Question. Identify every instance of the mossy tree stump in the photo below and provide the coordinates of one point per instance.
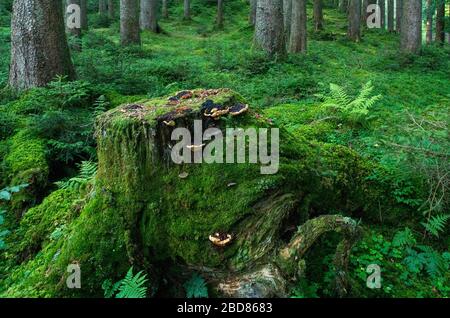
(166, 217)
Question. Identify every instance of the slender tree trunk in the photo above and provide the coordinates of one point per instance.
(440, 21)
(390, 16)
(287, 19)
(148, 16)
(220, 14)
(187, 10)
(354, 20)
(411, 36)
(398, 15)
(84, 15)
(429, 22)
(269, 33)
(298, 36)
(343, 5)
(252, 15)
(165, 11)
(111, 9)
(129, 22)
(382, 4)
(39, 50)
(318, 15)
(102, 7)
(364, 6)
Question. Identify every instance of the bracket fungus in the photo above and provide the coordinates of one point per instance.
(238, 109)
(221, 239)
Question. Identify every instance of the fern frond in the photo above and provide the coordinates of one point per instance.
(132, 286)
(404, 238)
(436, 224)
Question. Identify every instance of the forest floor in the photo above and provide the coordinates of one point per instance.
(405, 131)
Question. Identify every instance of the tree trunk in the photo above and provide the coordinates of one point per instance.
(411, 34)
(252, 15)
(102, 7)
(398, 15)
(390, 16)
(84, 15)
(297, 42)
(148, 16)
(165, 11)
(318, 15)
(382, 4)
(219, 14)
(364, 6)
(343, 5)
(129, 22)
(111, 9)
(354, 21)
(269, 33)
(429, 22)
(39, 50)
(440, 21)
(287, 19)
(187, 10)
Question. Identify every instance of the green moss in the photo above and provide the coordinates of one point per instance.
(26, 152)
(46, 222)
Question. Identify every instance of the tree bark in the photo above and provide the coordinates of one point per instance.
(440, 21)
(318, 15)
(84, 15)
(252, 15)
(390, 16)
(411, 29)
(111, 9)
(148, 15)
(219, 14)
(429, 22)
(398, 15)
(39, 50)
(129, 22)
(354, 21)
(102, 7)
(187, 10)
(165, 11)
(298, 37)
(269, 33)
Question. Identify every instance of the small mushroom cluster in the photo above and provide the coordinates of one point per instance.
(174, 100)
(215, 111)
(221, 239)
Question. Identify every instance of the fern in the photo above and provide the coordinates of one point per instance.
(88, 169)
(196, 287)
(434, 263)
(100, 105)
(404, 238)
(436, 224)
(3, 233)
(132, 286)
(351, 108)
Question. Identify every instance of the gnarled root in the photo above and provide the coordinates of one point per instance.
(272, 279)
